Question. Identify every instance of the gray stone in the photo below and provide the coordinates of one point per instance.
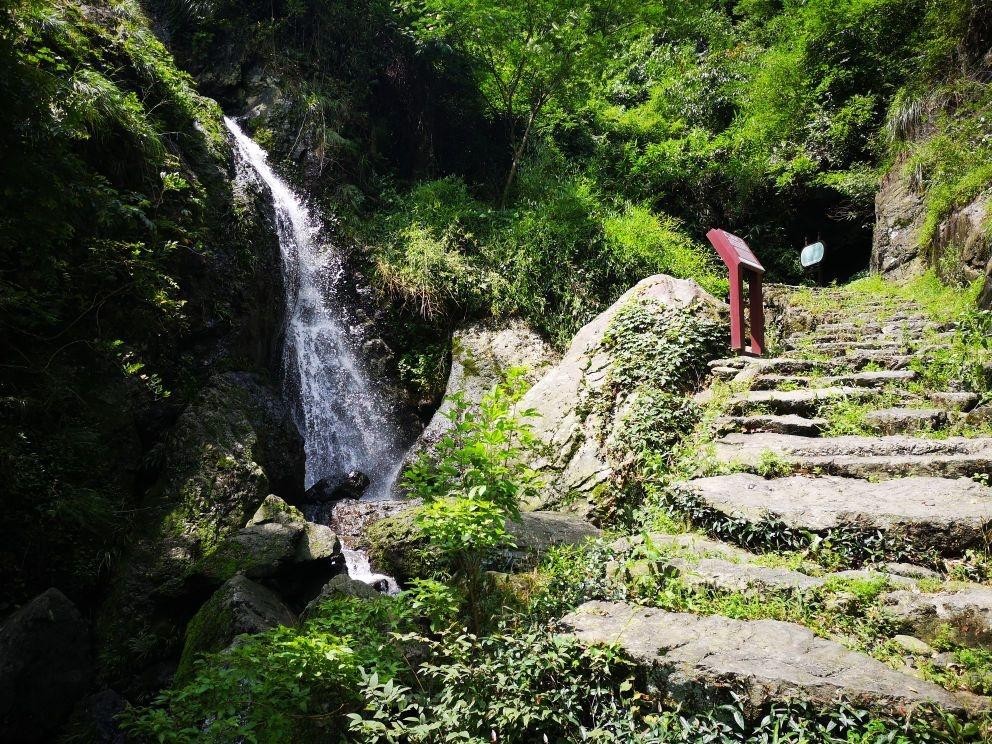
(980, 416)
(692, 658)
(480, 356)
(906, 420)
(955, 401)
(911, 571)
(715, 573)
(798, 402)
(567, 424)
(899, 214)
(239, 606)
(862, 457)
(792, 424)
(45, 667)
(665, 544)
(274, 509)
(538, 531)
(926, 513)
(858, 379)
(913, 645)
(317, 543)
(966, 612)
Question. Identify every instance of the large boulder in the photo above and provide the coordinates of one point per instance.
(481, 354)
(239, 606)
(45, 667)
(578, 413)
(279, 546)
(398, 547)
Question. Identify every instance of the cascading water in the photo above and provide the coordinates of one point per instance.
(346, 425)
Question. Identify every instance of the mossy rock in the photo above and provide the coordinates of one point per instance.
(239, 606)
(397, 546)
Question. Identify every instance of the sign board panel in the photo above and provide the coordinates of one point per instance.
(733, 249)
(811, 255)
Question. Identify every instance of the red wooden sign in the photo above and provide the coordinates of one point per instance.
(742, 263)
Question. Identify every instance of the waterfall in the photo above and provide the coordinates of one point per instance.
(346, 424)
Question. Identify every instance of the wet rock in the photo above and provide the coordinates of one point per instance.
(967, 613)
(335, 489)
(696, 659)
(577, 463)
(45, 667)
(938, 514)
(239, 606)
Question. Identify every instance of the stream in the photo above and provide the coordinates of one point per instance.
(346, 424)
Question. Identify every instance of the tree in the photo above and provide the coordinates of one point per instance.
(528, 54)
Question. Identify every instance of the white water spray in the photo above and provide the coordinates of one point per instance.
(346, 425)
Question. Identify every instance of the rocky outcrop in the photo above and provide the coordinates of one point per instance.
(694, 659)
(899, 216)
(45, 667)
(239, 606)
(214, 475)
(481, 354)
(961, 240)
(571, 423)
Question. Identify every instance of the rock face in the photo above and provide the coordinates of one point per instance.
(480, 356)
(939, 514)
(45, 667)
(899, 215)
(692, 658)
(966, 612)
(239, 606)
(577, 461)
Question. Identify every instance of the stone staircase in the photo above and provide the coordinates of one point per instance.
(905, 483)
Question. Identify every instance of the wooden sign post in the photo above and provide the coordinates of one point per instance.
(742, 263)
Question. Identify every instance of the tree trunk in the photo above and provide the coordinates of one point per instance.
(518, 153)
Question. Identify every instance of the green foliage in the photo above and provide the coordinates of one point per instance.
(473, 481)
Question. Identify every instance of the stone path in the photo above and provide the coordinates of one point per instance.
(903, 478)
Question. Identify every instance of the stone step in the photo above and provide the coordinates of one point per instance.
(891, 421)
(798, 402)
(690, 656)
(855, 379)
(925, 515)
(862, 457)
(885, 359)
(966, 612)
(954, 401)
(791, 424)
